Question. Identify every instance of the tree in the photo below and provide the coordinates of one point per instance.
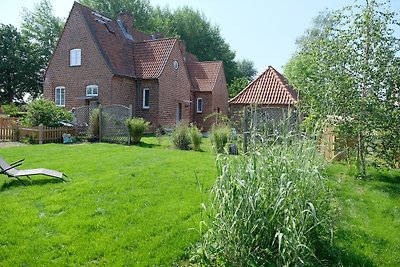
(246, 69)
(353, 73)
(237, 85)
(43, 111)
(41, 27)
(18, 66)
(140, 9)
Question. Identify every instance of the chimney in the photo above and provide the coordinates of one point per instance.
(127, 21)
(182, 47)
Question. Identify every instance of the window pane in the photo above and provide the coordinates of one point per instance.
(199, 105)
(60, 96)
(75, 57)
(146, 94)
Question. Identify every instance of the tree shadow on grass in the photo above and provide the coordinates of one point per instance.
(147, 145)
(14, 183)
(345, 254)
(387, 183)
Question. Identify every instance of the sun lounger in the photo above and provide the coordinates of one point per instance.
(11, 171)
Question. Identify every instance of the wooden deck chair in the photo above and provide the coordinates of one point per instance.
(11, 171)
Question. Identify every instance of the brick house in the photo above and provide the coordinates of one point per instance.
(99, 60)
(269, 91)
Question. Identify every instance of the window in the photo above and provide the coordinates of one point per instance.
(176, 65)
(75, 57)
(60, 96)
(92, 90)
(199, 106)
(146, 94)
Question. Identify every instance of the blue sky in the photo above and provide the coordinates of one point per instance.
(263, 31)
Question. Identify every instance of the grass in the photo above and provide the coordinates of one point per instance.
(122, 206)
(368, 231)
(138, 205)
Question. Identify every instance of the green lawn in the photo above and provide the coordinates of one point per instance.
(134, 206)
(369, 217)
(140, 205)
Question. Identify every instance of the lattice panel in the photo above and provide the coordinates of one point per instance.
(112, 124)
(81, 121)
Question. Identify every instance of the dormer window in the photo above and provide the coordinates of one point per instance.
(75, 57)
(92, 90)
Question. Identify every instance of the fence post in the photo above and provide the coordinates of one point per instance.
(40, 134)
(15, 133)
(245, 129)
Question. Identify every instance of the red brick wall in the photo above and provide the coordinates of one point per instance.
(93, 69)
(220, 94)
(175, 88)
(150, 114)
(123, 92)
(204, 125)
(214, 101)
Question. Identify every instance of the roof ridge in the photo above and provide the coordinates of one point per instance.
(167, 57)
(276, 89)
(156, 40)
(283, 83)
(216, 77)
(253, 81)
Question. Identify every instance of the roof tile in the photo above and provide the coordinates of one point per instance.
(204, 74)
(270, 88)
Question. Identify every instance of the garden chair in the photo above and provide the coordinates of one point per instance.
(11, 171)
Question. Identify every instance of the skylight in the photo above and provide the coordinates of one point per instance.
(101, 16)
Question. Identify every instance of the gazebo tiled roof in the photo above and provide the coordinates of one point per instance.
(270, 88)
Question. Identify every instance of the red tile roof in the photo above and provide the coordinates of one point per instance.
(204, 75)
(151, 57)
(270, 88)
(141, 57)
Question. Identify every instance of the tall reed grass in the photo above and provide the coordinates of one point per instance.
(270, 206)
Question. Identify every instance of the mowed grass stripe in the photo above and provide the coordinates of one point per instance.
(123, 205)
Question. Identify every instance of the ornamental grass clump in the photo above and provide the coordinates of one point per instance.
(195, 137)
(136, 128)
(219, 137)
(269, 206)
(94, 124)
(181, 137)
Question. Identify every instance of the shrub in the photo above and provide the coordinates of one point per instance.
(136, 127)
(195, 137)
(94, 126)
(181, 137)
(11, 109)
(219, 137)
(269, 207)
(43, 111)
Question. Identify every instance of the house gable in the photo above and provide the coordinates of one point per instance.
(92, 70)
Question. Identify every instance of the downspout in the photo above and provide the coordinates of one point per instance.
(136, 100)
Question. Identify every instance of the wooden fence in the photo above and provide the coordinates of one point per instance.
(7, 133)
(37, 135)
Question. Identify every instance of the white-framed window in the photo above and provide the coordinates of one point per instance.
(60, 96)
(199, 105)
(92, 90)
(146, 94)
(75, 57)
